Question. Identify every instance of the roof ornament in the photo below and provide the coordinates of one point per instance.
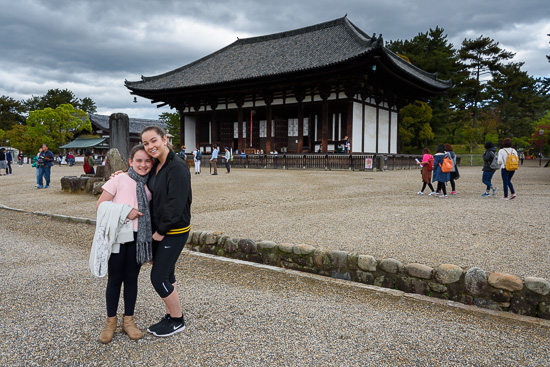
(376, 42)
(142, 78)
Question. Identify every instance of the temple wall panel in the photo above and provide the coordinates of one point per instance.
(190, 135)
(383, 131)
(370, 129)
(394, 132)
(357, 137)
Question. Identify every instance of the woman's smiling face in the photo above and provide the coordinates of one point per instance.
(141, 163)
(154, 144)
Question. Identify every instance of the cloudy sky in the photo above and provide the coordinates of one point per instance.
(91, 47)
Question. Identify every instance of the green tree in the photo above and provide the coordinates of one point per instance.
(11, 114)
(57, 97)
(88, 105)
(415, 129)
(56, 127)
(172, 121)
(516, 96)
(20, 138)
(431, 51)
(482, 57)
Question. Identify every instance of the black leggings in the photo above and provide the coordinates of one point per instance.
(424, 184)
(441, 187)
(452, 181)
(165, 256)
(123, 268)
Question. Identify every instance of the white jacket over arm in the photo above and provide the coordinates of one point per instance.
(112, 227)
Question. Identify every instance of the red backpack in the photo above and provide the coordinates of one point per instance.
(87, 167)
(430, 164)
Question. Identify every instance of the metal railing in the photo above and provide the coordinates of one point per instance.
(352, 162)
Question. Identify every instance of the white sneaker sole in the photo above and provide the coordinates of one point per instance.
(166, 335)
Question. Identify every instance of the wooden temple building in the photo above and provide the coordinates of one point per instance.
(297, 91)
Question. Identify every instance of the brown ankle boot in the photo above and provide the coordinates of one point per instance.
(129, 327)
(108, 331)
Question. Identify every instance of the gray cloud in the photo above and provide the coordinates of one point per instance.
(90, 47)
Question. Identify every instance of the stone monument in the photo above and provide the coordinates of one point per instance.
(119, 127)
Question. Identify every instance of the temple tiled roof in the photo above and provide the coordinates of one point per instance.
(136, 125)
(303, 49)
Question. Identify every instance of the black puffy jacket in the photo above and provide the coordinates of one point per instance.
(171, 189)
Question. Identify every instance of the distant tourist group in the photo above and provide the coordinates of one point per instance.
(444, 169)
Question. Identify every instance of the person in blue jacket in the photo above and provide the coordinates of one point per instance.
(438, 175)
(45, 163)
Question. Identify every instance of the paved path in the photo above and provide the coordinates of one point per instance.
(237, 315)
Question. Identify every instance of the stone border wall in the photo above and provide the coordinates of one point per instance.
(495, 291)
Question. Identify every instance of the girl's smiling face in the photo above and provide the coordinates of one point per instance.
(155, 145)
(141, 163)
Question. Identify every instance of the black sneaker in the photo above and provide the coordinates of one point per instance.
(151, 329)
(170, 327)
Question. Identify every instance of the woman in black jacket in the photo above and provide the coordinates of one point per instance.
(170, 184)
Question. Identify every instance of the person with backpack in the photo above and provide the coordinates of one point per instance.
(427, 165)
(509, 163)
(454, 172)
(441, 171)
(197, 156)
(89, 163)
(489, 168)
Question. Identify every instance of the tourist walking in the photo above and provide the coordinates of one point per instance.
(182, 152)
(9, 161)
(521, 157)
(35, 165)
(197, 156)
(128, 195)
(227, 160)
(20, 158)
(438, 175)
(214, 160)
(347, 145)
(70, 158)
(454, 173)
(3, 161)
(488, 171)
(44, 163)
(427, 165)
(170, 183)
(506, 157)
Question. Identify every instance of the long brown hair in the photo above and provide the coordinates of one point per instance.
(159, 130)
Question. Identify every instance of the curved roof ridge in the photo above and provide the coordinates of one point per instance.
(293, 32)
(398, 59)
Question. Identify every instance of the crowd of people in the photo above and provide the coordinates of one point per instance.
(507, 160)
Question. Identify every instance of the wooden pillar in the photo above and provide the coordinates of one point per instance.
(268, 99)
(324, 92)
(197, 108)
(182, 126)
(324, 127)
(300, 95)
(214, 124)
(389, 130)
(240, 141)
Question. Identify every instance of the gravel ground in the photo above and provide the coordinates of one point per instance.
(237, 315)
(372, 213)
